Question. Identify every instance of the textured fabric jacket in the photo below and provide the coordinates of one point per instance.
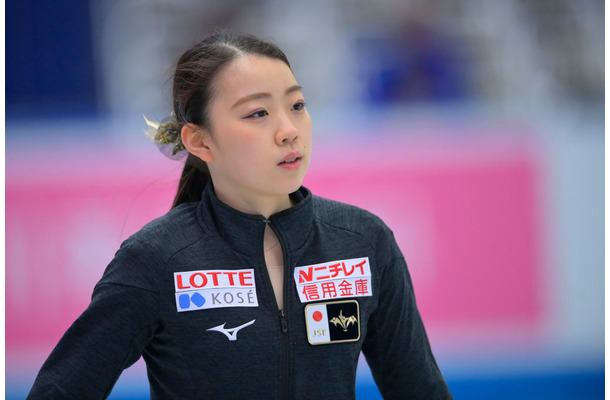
(176, 289)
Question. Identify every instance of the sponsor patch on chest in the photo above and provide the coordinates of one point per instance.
(200, 290)
(333, 322)
(334, 280)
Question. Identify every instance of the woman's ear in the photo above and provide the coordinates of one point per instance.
(196, 140)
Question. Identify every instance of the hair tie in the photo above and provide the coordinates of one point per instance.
(166, 136)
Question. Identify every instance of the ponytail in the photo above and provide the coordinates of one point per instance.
(195, 176)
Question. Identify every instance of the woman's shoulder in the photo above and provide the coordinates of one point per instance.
(144, 254)
(360, 222)
(346, 216)
(177, 229)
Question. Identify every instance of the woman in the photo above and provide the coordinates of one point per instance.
(250, 287)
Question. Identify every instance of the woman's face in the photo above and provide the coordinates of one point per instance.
(260, 131)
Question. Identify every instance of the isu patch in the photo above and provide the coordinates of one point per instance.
(333, 322)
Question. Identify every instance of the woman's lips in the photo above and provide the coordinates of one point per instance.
(291, 163)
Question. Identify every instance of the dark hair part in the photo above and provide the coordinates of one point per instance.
(192, 91)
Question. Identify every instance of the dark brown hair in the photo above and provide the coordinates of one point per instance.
(192, 91)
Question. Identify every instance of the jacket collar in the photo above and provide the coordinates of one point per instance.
(244, 232)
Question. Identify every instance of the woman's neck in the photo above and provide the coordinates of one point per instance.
(256, 205)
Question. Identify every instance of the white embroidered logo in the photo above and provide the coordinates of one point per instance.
(230, 333)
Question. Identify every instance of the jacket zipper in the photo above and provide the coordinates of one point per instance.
(285, 356)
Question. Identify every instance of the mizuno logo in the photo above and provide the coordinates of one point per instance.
(232, 332)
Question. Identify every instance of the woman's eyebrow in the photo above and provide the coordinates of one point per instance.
(295, 88)
(263, 95)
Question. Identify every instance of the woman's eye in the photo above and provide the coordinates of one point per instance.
(299, 106)
(258, 114)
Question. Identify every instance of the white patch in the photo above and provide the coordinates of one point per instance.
(200, 290)
(316, 318)
(334, 280)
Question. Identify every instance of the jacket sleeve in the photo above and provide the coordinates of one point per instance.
(109, 336)
(396, 346)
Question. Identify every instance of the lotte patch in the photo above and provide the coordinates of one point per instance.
(205, 289)
(333, 322)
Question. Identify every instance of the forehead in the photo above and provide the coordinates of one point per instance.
(250, 74)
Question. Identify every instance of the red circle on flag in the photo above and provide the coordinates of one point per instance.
(317, 316)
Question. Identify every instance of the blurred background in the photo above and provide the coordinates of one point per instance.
(475, 129)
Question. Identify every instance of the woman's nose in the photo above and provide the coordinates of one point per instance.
(287, 131)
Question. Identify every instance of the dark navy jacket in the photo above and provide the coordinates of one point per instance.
(144, 306)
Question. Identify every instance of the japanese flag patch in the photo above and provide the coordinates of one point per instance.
(333, 322)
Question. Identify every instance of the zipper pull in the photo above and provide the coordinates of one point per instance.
(283, 321)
